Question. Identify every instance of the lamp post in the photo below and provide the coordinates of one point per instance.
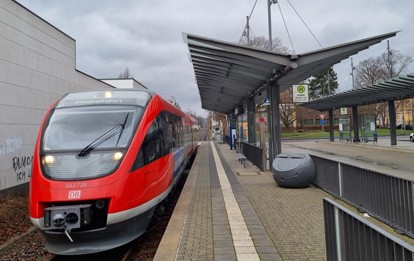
(269, 18)
(352, 74)
(248, 31)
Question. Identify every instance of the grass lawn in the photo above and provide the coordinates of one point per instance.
(318, 134)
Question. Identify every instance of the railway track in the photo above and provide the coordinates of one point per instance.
(203, 135)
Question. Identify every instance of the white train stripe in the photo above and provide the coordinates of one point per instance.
(130, 213)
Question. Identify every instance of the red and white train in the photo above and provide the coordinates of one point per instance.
(103, 161)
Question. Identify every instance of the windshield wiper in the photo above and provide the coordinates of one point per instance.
(104, 137)
(123, 127)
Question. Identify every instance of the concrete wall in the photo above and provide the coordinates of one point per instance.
(37, 66)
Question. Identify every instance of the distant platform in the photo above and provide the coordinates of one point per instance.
(394, 160)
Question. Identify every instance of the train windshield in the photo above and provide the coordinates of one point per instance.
(84, 129)
(88, 141)
(88, 133)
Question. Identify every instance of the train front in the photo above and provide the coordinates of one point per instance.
(80, 172)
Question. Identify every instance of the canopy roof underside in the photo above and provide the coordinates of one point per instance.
(227, 73)
(398, 88)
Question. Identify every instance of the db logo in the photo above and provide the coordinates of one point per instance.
(74, 194)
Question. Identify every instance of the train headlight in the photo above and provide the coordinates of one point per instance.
(117, 156)
(108, 94)
(48, 160)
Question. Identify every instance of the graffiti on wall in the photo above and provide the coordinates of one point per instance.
(22, 168)
(21, 165)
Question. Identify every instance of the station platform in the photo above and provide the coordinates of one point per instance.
(230, 212)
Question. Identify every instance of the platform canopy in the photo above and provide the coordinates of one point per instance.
(398, 88)
(228, 73)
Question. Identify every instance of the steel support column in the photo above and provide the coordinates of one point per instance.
(250, 120)
(270, 124)
(232, 120)
(331, 126)
(355, 121)
(275, 147)
(393, 122)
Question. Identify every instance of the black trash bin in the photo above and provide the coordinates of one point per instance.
(375, 137)
(293, 171)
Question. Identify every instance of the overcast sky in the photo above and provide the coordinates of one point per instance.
(146, 35)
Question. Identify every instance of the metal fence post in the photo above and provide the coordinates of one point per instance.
(340, 179)
(337, 234)
(412, 208)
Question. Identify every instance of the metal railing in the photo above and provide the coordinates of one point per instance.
(326, 175)
(388, 198)
(226, 139)
(351, 237)
(253, 153)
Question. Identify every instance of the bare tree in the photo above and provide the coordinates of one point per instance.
(395, 63)
(260, 42)
(287, 108)
(378, 110)
(200, 120)
(126, 74)
(370, 71)
(388, 65)
(375, 69)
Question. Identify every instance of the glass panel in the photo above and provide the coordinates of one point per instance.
(345, 128)
(368, 127)
(245, 128)
(76, 127)
(261, 129)
(242, 128)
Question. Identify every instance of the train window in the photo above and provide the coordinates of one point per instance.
(154, 145)
(166, 132)
(174, 131)
(162, 122)
(150, 148)
(178, 124)
(169, 130)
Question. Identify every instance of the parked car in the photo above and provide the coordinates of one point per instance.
(412, 137)
(404, 127)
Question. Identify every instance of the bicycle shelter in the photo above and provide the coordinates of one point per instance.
(397, 88)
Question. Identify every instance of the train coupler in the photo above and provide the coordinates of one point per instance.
(67, 218)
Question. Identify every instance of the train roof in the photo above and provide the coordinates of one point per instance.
(139, 97)
(106, 97)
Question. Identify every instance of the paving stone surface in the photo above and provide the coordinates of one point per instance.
(197, 237)
(291, 218)
(283, 224)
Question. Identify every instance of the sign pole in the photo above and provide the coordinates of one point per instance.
(322, 122)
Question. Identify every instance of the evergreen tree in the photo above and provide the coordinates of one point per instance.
(320, 86)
